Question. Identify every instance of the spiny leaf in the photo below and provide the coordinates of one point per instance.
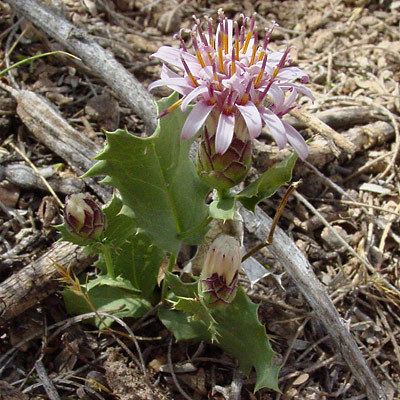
(268, 183)
(244, 337)
(116, 297)
(182, 325)
(199, 313)
(156, 180)
(223, 208)
(179, 288)
(120, 222)
(236, 329)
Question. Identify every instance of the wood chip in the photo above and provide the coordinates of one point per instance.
(374, 188)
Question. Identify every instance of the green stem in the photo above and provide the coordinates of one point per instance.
(171, 263)
(106, 250)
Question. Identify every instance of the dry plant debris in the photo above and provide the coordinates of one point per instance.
(351, 50)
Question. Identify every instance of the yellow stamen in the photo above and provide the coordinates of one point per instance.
(210, 57)
(261, 55)
(220, 59)
(247, 41)
(233, 68)
(193, 79)
(253, 54)
(200, 58)
(237, 49)
(275, 73)
(225, 42)
(258, 79)
(172, 107)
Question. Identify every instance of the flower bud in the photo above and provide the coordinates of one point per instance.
(223, 171)
(83, 216)
(220, 274)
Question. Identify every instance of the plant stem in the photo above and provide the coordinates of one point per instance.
(171, 263)
(108, 260)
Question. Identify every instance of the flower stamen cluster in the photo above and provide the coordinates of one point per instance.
(234, 74)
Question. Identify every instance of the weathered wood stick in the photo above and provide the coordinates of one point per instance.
(297, 266)
(37, 280)
(361, 137)
(323, 129)
(26, 178)
(340, 117)
(51, 129)
(100, 61)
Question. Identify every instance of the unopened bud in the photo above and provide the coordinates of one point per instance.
(220, 274)
(223, 171)
(83, 216)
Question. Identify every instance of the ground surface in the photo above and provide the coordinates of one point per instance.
(351, 49)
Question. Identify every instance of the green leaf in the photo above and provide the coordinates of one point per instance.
(104, 280)
(244, 337)
(116, 297)
(183, 326)
(120, 222)
(234, 326)
(179, 288)
(146, 259)
(268, 183)
(138, 261)
(134, 256)
(199, 313)
(223, 208)
(157, 180)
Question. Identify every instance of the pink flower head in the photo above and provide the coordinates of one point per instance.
(233, 75)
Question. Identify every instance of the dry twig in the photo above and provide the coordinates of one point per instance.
(100, 61)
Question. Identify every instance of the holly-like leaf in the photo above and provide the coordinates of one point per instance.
(244, 337)
(268, 183)
(157, 180)
(223, 208)
(181, 289)
(199, 313)
(120, 222)
(183, 326)
(114, 296)
(145, 263)
(233, 327)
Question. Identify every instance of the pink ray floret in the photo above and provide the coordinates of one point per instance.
(234, 76)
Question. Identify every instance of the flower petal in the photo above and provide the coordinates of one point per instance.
(290, 73)
(275, 127)
(169, 82)
(224, 135)
(252, 118)
(196, 119)
(277, 95)
(296, 140)
(288, 104)
(192, 95)
(168, 73)
(300, 88)
(172, 56)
